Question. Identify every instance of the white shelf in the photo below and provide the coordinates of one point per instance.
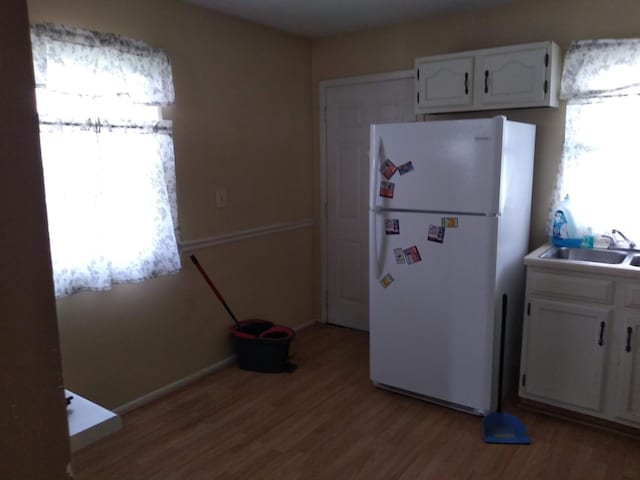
(89, 422)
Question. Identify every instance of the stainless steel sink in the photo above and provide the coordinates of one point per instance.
(635, 261)
(587, 255)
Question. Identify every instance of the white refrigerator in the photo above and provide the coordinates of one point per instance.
(449, 213)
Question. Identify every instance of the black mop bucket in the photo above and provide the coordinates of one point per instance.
(260, 346)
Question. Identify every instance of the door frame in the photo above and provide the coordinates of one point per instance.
(323, 87)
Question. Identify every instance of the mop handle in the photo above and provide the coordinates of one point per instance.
(213, 287)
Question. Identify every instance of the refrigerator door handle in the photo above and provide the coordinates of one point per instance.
(374, 234)
(374, 153)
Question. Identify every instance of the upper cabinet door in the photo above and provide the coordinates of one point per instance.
(445, 83)
(513, 77)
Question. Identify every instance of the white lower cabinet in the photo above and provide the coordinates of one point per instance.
(628, 398)
(566, 352)
(579, 346)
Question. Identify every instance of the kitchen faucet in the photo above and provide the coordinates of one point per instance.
(613, 242)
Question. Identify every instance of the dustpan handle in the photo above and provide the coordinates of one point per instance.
(503, 328)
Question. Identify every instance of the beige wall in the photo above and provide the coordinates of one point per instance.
(242, 120)
(395, 48)
(33, 421)
(245, 118)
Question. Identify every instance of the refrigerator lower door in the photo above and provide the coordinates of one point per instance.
(432, 304)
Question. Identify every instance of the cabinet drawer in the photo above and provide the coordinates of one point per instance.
(632, 296)
(594, 290)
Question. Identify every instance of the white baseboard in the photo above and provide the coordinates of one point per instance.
(183, 382)
(305, 325)
(162, 391)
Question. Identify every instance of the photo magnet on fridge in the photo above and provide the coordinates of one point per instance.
(412, 255)
(392, 226)
(450, 222)
(399, 254)
(386, 280)
(405, 168)
(388, 168)
(436, 233)
(386, 189)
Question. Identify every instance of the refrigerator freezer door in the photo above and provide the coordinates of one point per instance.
(432, 311)
(454, 165)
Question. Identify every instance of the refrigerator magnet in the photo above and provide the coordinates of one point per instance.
(392, 226)
(399, 254)
(386, 280)
(436, 234)
(412, 255)
(405, 168)
(388, 168)
(386, 189)
(450, 222)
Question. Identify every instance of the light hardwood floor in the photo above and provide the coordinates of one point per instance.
(327, 421)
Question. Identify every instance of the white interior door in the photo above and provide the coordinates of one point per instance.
(350, 108)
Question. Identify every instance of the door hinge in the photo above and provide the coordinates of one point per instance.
(546, 59)
(546, 86)
(524, 379)
(418, 97)
(418, 74)
(528, 309)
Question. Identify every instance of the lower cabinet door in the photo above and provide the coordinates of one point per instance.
(564, 353)
(628, 404)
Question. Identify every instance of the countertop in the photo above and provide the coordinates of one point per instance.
(620, 269)
(89, 422)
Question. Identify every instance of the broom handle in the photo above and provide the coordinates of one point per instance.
(213, 287)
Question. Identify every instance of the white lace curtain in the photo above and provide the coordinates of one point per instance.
(108, 158)
(600, 164)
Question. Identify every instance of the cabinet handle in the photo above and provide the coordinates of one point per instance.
(601, 340)
(466, 83)
(486, 81)
(629, 332)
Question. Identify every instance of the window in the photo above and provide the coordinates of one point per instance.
(107, 157)
(600, 165)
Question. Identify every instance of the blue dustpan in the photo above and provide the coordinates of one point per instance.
(504, 428)
(498, 427)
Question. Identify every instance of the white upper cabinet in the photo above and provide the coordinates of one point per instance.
(446, 83)
(517, 76)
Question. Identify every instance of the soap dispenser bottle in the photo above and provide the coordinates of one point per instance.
(564, 233)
